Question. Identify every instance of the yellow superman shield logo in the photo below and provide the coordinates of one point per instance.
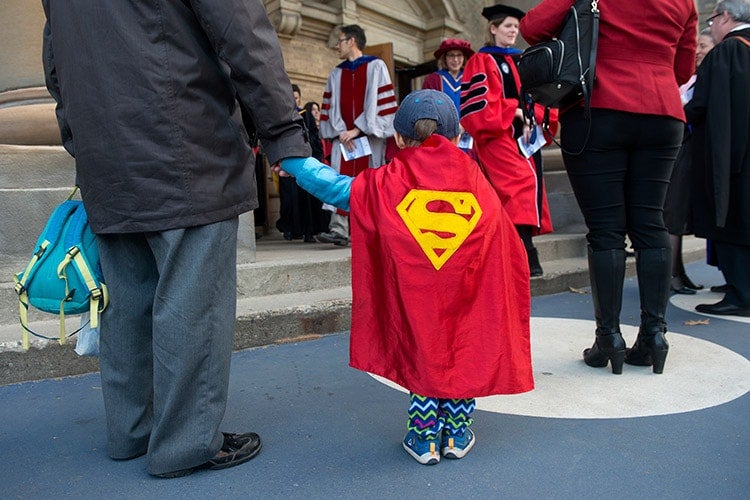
(440, 221)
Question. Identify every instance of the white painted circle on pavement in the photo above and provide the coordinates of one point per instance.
(698, 374)
(688, 303)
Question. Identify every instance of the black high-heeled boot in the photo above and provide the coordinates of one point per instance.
(607, 272)
(651, 346)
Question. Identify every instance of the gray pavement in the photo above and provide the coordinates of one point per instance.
(333, 432)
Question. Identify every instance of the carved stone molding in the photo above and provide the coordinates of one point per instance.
(30, 95)
(286, 16)
(27, 117)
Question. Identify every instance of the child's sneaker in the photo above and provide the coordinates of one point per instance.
(426, 451)
(457, 445)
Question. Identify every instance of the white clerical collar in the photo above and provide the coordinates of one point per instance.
(740, 27)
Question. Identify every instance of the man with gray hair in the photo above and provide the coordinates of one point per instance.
(720, 115)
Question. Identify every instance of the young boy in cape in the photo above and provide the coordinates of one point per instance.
(440, 280)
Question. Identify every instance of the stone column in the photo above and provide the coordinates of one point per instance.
(35, 172)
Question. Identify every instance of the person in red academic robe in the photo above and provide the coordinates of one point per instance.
(440, 304)
(492, 112)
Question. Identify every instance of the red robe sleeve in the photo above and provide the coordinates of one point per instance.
(432, 81)
(485, 111)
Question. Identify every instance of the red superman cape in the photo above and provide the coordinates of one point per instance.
(449, 317)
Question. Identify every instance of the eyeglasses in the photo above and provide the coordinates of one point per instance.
(342, 40)
(710, 20)
(454, 56)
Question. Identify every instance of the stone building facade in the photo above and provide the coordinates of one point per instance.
(407, 30)
(306, 28)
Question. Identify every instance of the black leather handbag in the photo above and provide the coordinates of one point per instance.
(562, 70)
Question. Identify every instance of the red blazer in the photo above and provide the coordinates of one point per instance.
(646, 49)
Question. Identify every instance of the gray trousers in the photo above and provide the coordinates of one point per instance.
(166, 342)
(339, 224)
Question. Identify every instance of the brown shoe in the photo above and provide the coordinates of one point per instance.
(236, 449)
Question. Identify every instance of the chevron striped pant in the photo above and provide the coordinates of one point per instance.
(430, 416)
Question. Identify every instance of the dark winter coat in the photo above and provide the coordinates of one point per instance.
(147, 104)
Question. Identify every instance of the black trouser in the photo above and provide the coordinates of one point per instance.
(620, 179)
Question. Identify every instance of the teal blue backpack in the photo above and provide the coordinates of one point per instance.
(63, 275)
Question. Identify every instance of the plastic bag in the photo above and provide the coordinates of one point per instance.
(87, 343)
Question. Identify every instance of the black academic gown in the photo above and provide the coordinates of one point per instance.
(720, 116)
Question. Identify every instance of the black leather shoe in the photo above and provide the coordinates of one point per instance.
(683, 290)
(723, 308)
(677, 285)
(720, 288)
(236, 449)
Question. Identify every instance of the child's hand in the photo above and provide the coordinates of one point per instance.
(276, 167)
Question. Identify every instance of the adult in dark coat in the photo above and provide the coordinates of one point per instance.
(146, 105)
(720, 114)
(678, 206)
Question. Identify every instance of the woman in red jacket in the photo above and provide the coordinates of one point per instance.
(620, 179)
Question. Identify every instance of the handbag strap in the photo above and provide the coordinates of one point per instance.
(588, 82)
(587, 88)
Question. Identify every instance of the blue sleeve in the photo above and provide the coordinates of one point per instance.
(320, 180)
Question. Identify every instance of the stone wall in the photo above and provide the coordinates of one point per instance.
(306, 30)
(21, 24)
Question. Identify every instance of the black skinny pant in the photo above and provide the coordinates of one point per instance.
(620, 179)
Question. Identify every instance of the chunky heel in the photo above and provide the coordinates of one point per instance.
(659, 357)
(617, 358)
(649, 349)
(651, 346)
(607, 348)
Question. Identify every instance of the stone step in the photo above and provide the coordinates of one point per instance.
(34, 180)
(552, 158)
(283, 267)
(263, 319)
(286, 290)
